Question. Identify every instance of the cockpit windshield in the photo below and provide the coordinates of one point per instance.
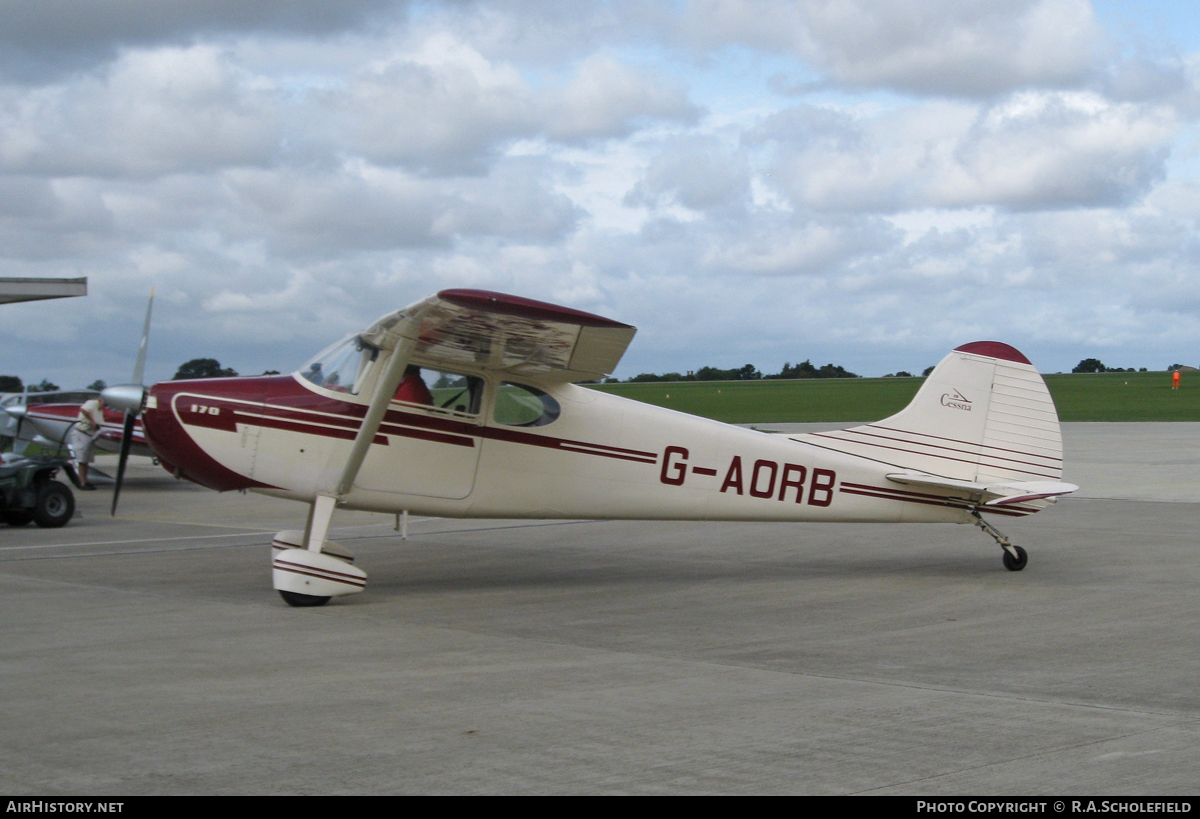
(342, 367)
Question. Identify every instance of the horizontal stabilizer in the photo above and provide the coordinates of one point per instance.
(994, 494)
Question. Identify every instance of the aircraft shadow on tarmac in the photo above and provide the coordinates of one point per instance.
(465, 561)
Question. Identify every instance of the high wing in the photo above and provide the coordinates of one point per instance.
(492, 331)
(505, 334)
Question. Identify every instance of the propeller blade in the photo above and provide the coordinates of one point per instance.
(20, 420)
(130, 398)
(17, 412)
(140, 367)
(126, 442)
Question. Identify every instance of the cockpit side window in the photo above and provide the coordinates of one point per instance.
(519, 405)
(342, 367)
(440, 389)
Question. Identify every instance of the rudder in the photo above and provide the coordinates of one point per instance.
(983, 415)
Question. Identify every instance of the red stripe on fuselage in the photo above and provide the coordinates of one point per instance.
(288, 404)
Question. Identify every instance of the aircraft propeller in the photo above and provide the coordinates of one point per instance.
(130, 398)
(16, 412)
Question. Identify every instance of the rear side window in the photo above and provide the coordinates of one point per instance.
(518, 405)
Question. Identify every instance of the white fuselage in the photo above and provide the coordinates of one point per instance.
(602, 457)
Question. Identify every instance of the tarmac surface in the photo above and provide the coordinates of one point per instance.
(147, 653)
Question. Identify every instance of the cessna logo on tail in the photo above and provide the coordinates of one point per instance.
(956, 400)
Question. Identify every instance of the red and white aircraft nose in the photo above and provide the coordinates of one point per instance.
(176, 410)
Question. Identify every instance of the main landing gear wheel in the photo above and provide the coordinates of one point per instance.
(306, 578)
(305, 601)
(1015, 564)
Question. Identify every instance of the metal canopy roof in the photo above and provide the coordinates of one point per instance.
(21, 289)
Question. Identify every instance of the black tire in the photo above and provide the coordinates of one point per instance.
(302, 601)
(19, 517)
(1015, 564)
(55, 505)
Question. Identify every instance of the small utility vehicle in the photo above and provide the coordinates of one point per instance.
(28, 491)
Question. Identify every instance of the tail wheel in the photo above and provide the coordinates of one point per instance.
(302, 601)
(55, 505)
(1015, 564)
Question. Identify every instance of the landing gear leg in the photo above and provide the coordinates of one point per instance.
(306, 569)
(1014, 557)
(318, 522)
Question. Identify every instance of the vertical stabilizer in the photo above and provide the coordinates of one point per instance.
(983, 415)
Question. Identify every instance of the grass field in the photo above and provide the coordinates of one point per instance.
(1082, 397)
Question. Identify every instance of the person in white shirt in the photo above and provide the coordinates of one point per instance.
(82, 438)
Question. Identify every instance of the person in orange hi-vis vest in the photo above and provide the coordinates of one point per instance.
(1175, 380)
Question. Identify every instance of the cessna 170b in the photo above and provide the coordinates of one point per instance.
(505, 432)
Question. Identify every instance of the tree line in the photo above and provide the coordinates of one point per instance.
(196, 368)
(805, 369)
(1095, 365)
(13, 383)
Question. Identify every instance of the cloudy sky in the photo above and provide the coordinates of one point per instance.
(864, 182)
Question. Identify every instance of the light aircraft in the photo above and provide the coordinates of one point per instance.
(506, 432)
(49, 424)
(11, 428)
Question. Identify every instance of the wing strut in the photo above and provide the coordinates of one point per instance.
(385, 388)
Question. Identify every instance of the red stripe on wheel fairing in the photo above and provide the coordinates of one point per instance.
(321, 574)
